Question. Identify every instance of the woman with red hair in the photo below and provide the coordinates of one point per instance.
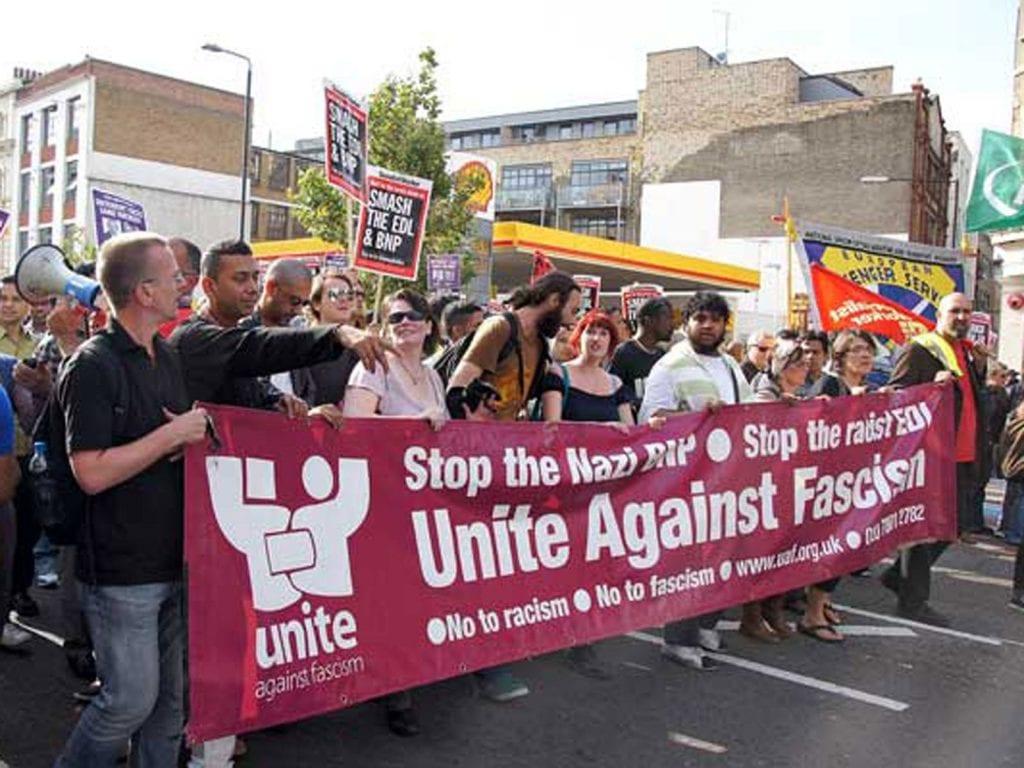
(581, 389)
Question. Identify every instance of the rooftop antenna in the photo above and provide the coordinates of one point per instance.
(723, 57)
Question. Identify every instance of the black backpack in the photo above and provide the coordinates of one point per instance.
(450, 358)
(58, 501)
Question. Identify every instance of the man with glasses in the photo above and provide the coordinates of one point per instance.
(944, 355)
(759, 353)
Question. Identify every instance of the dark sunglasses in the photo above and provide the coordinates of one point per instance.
(411, 315)
(337, 294)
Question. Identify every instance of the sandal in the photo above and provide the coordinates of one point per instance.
(832, 616)
(817, 632)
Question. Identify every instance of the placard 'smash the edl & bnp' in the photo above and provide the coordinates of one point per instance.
(392, 223)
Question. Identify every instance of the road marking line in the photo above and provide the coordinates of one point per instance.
(793, 677)
(55, 639)
(852, 630)
(997, 641)
(971, 576)
(690, 741)
(636, 666)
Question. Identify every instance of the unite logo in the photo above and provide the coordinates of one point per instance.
(290, 553)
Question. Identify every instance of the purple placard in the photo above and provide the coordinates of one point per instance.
(444, 272)
(115, 215)
(4, 216)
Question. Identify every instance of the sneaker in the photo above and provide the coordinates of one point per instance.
(1017, 603)
(710, 640)
(583, 660)
(501, 685)
(924, 614)
(688, 656)
(13, 636)
(23, 605)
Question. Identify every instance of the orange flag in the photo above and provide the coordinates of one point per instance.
(541, 266)
(844, 305)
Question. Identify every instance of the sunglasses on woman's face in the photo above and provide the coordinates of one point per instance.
(400, 317)
(339, 294)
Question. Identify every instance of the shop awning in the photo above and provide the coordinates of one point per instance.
(618, 264)
(299, 248)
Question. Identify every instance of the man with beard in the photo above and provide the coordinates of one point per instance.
(943, 355)
(513, 362)
(538, 311)
(695, 376)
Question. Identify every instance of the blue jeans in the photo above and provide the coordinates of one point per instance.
(138, 635)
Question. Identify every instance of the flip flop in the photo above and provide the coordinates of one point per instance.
(832, 616)
(816, 632)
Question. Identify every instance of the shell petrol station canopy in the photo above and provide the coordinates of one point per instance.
(618, 264)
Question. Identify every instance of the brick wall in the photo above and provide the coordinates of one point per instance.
(818, 162)
(875, 81)
(150, 117)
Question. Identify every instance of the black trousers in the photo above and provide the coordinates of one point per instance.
(913, 568)
(28, 534)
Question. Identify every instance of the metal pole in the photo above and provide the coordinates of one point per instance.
(245, 153)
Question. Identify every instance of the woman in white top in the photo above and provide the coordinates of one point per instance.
(408, 389)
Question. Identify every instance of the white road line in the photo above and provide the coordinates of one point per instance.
(55, 639)
(636, 666)
(851, 630)
(974, 578)
(793, 677)
(690, 741)
(997, 641)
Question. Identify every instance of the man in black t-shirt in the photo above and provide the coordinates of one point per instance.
(127, 418)
(633, 360)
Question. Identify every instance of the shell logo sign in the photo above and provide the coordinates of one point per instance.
(481, 172)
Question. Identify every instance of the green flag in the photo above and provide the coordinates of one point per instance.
(997, 198)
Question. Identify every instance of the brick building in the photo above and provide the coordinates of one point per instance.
(703, 158)
(171, 145)
(273, 176)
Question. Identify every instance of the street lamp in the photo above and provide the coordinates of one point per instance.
(213, 48)
(954, 181)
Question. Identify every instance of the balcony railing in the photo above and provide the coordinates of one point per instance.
(530, 199)
(596, 196)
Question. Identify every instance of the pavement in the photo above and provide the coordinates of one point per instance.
(895, 693)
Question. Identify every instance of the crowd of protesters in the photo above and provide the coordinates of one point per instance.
(114, 393)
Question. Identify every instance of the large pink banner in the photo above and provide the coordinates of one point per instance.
(330, 567)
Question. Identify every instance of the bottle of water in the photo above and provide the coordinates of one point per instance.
(37, 464)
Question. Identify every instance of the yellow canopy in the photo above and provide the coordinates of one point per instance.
(617, 263)
(300, 248)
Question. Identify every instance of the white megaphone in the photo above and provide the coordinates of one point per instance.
(43, 273)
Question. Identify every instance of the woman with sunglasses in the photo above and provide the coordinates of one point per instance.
(582, 390)
(330, 303)
(407, 389)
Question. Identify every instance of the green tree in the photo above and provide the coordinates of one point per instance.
(405, 136)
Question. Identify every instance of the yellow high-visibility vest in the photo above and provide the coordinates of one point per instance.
(941, 350)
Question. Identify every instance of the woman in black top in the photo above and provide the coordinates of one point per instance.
(853, 356)
(582, 390)
(331, 301)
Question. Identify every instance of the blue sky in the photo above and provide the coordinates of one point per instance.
(529, 54)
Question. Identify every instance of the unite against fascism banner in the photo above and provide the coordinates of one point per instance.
(330, 567)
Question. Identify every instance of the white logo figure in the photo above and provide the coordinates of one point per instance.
(289, 554)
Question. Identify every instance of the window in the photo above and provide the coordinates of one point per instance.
(627, 125)
(254, 166)
(22, 241)
(28, 134)
(25, 192)
(74, 118)
(589, 130)
(70, 180)
(565, 131)
(610, 127)
(279, 172)
(490, 139)
(527, 132)
(47, 176)
(50, 126)
(526, 176)
(71, 238)
(277, 222)
(471, 141)
(596, 226)
(45, 235)
(456, 142)
(590, 173)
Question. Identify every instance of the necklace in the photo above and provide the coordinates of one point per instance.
(415, 379)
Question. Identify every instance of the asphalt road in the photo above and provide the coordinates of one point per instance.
(892, 694)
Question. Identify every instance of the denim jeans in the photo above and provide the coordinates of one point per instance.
(138, 635)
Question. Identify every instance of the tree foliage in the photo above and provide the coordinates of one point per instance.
(405, 135)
